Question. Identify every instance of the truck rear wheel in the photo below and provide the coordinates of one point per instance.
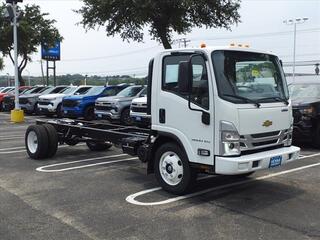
(36, 141)
(52, 140)
(89, 113)
(102, 146)
(172, 169)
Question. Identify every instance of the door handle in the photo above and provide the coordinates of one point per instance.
(162, 115)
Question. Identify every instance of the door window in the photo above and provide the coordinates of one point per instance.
(200, 90)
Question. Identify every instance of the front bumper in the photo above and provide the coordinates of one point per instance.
(8, 106)
(47, 108)
(254, 162)
(29, 107)
(107, 115)
(140, 118)
(72, 112)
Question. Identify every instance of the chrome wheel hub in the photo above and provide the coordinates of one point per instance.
(171, 168)
(32, 141)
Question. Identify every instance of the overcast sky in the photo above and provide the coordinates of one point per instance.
(262, 27)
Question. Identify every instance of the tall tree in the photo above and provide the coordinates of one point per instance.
(1, 64)
(34, 29)
(163, 17)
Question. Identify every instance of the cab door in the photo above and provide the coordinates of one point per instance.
(175, 117)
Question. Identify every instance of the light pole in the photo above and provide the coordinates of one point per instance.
(294, 22)
(28, 77)
(17, 114)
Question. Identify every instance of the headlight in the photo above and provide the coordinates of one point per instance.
(53, 99)
(288, 141)
(230, 139)
(115, 104)
(78, 102)
(31, 100)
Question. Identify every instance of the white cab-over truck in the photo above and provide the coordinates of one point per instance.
(220, 110)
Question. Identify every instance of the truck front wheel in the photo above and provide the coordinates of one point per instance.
(172, 169)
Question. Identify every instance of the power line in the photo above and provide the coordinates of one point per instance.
(109, 56)
(259, 35)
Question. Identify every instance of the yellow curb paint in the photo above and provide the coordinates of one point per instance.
(17, 116)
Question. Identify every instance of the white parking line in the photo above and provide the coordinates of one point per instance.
(132, 198)
(20, 151)
(13, 148)
(12, 138)
(43, 168)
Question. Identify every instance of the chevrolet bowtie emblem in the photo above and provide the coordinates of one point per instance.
(267, 123)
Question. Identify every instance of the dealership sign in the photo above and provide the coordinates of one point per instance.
(51, 53)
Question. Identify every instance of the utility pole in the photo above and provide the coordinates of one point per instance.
(17, 115)
(183, 41)
(294, 22)
(85, 80)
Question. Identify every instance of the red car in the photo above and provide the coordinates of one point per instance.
(10, 91)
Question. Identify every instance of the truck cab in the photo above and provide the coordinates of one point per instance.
(211, 110)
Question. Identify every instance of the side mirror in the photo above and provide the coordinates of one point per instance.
(184, 77)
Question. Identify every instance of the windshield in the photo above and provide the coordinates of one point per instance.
(252, 76)
(35, 90)
(94, 91)
(130, 91)
(82, 91)
(57, 90)
(110, 91)
(69, 90)
(301, 91)
(5, 90)
(46, 90)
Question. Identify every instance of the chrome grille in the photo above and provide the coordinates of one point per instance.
(263, 140)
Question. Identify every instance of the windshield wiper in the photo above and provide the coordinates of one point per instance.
(247, 100)
(275, 98)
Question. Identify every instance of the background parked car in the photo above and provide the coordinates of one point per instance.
(306, 111)
(51, 104)
(10, 93)
(138, 112)
(82, 105)
(118, 107)
(8, 101)
(29, 102)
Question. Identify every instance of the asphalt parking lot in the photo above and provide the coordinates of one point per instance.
(81, 194)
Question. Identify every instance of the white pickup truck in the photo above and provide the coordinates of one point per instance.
(138, 112)
(215, 110)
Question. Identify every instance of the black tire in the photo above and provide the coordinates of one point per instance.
(89, 113)
(94, 146)
(52, 140)
(59, 111)
(36, 110)
(125, 117)
(40, 138)
(1, 107)
(316, 138)
(187, 178)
